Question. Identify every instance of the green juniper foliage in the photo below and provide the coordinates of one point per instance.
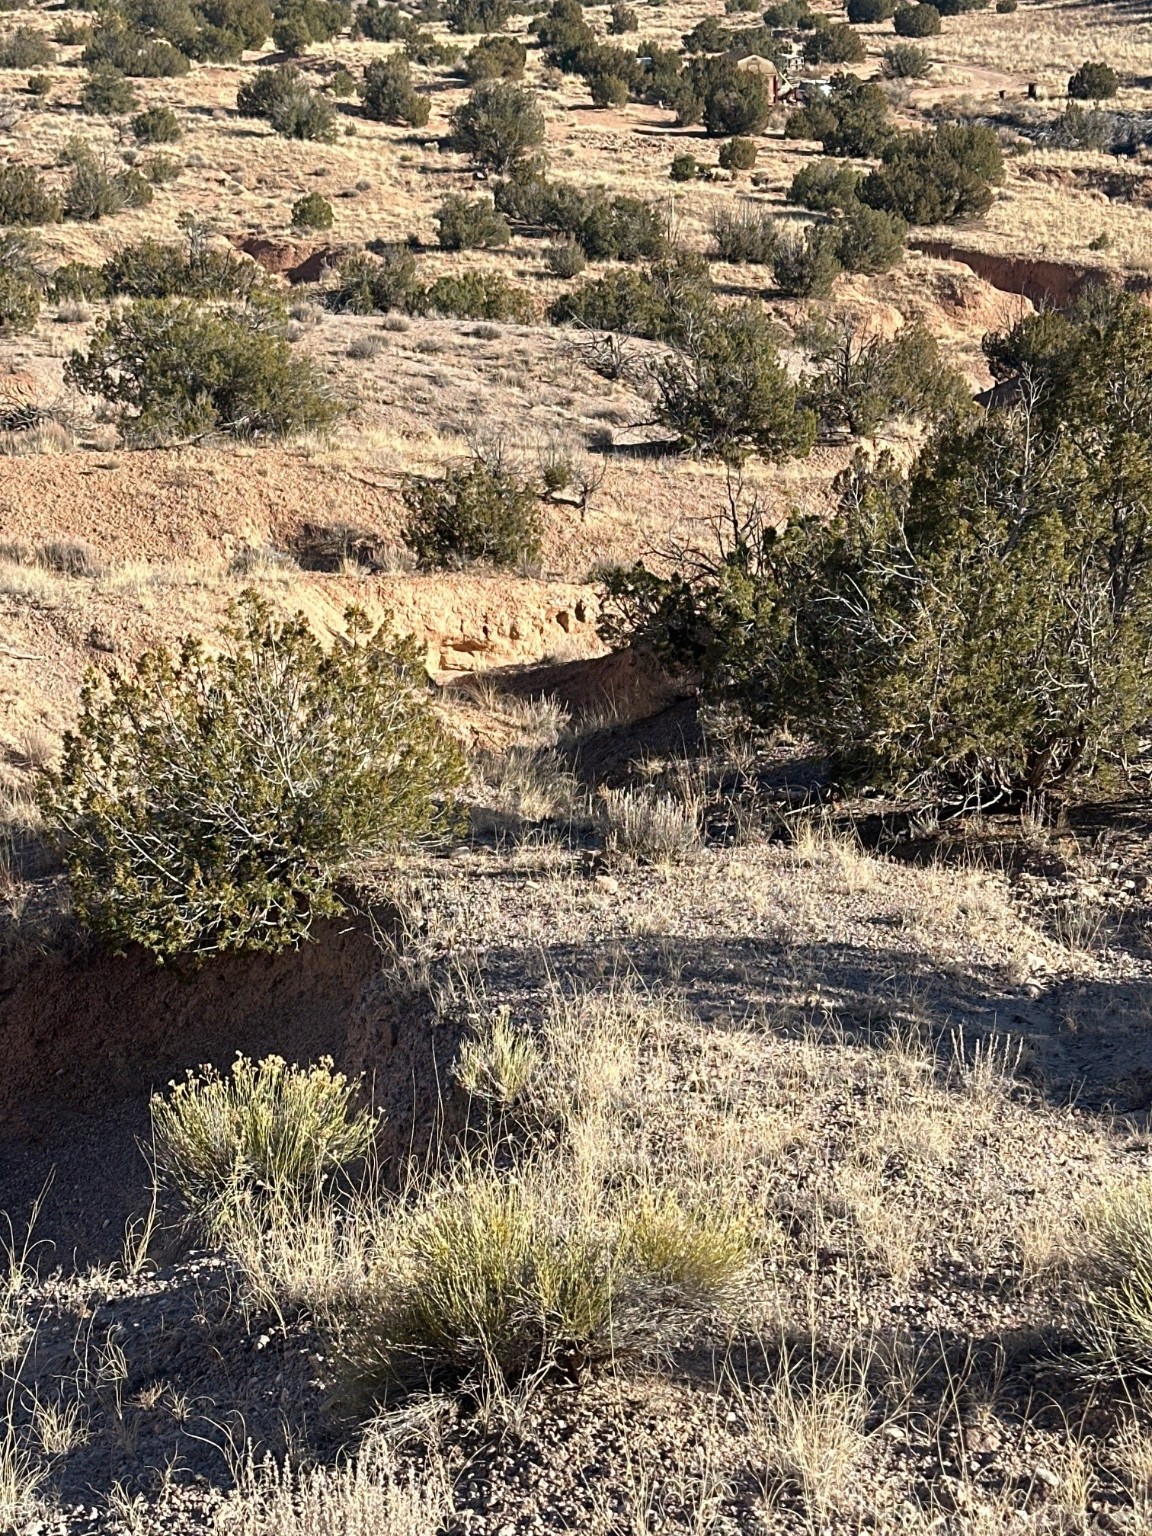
(179, 371)
(480, 511)
(209, 802)
(981, 625)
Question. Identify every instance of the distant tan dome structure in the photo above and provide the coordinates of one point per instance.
(755, 64)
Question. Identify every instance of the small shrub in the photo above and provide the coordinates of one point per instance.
(824, 186)
(334, 755)
(870, 240)
(1115, 1281)
(157, 125)
(661, 304)
(292, 36)
(1006, 7)
(478, 15)
(389, 95)
(503, 1277)
(474, 296)
(920, 20)
(498, 1062)
(78, 282)
(737, 104)
(737, 155)
(904, 61)
(727, 395)
(178, 371)
(20, 285)
(851, 120)
(159, 170)
(312, 212)
(834, 43)
(496, 58)
(867, 383)
(466, 224)
(371, 285)
(281, 98)
(342, 84)
(24, 199)
(566, 259)
(1093, 82)
(269, 1135)
(94, 192)
(805, 266)
(685, 168)
(622, 19)
(107, 93)
(867, 12)
(479, 512)
(25, 48)
(651, 827)
(498, 126)
(39, 86)
(936, 178)
(749, 235)
(151, 269)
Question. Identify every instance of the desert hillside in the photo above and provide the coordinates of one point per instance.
(575, 706)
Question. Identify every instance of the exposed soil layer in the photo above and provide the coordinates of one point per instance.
(86, 1040)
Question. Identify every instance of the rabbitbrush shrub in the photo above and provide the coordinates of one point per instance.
(210, 802)
(981, 626)
(267, 1133)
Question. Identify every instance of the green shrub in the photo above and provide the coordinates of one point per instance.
(790, 14)
(291, 35)
(152, 269)
(24, 199)
(312, 212)
(466, 224)
(622, 19)
(867, 12)
(39, 86)
(159, 170)
(869, 240)
(76, 281)
(389, 95)
(685, 168)
(824, 186)
(608, 90)
(474, 296)
(904, 61)
(660, 304)
(866, 383)
(498, 126)
(20, 284)
(738, 103)
(281, 98)
(126, 52)
(833, 43)
(382, 23)
(25, 48)
(936, 178)
(805, 266)
(566, 259)
(342, 84)
(1006, 7)
(156, 125)
(479, 512)
(478, 15)
(178, 371)
(748, 235)
(1114, 1282)
(920, 20)
(726, 395)
(499, 1278)
(333, 755)
(496, 58)
(94, 192)
(248, 22)
(107, 93)
(1093, 82)
(371, 285)
(624, 229)
(268, 1135)
(851, 120)
(979, 627)
(737, 155)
